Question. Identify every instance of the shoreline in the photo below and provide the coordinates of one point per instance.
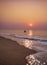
(11, 53)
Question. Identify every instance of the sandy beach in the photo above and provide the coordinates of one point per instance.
(11, 53)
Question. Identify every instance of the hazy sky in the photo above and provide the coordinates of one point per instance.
(19, 14)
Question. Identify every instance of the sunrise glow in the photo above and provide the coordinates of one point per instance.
(23, 14)
(30, 24)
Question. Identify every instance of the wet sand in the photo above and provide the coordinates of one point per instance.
(11, 53)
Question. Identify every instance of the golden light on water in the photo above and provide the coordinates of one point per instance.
(28, 43)
(30, 33)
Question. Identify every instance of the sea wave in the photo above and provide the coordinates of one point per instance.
(25, 37)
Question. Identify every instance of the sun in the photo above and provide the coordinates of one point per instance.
(30, 24)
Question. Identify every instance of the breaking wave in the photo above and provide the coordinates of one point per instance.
(24, 37)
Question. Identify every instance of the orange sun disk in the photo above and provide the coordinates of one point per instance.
(30, 24)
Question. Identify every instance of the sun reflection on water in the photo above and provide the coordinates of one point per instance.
(28, 43)
(35, 59)
(30, 33)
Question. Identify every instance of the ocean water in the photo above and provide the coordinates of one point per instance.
(32, 39)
